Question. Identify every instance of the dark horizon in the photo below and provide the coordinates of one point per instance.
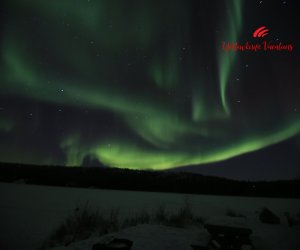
(147, 181)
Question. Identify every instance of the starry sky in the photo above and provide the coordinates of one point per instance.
(146, 84)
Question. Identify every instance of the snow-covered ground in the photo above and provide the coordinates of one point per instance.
(150, 237)
(29, 213)
(159, 237)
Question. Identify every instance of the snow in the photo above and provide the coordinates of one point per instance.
(158, 237)
(29, 213)
(150, 237)
(228, 221)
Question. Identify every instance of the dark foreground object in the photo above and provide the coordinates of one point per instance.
(267, 216)
(195, 247)
(120, 244)
(227, 237)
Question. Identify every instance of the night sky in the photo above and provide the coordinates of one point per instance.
(146, 84)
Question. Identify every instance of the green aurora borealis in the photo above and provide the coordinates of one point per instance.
(141, 85)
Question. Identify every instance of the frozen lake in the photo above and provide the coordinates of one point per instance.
(28, 213)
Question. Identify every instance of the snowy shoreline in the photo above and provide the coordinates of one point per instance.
(30, 213)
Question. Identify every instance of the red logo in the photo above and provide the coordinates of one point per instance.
(261, 32)
(262, 45)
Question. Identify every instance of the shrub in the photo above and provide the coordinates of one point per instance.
(84, 222)
(80, 225)
(140, 218)
(160, 215)
(232, 213)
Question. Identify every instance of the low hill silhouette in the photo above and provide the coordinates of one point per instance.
(157, 181)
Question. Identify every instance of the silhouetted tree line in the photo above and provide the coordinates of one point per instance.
(157, 181)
